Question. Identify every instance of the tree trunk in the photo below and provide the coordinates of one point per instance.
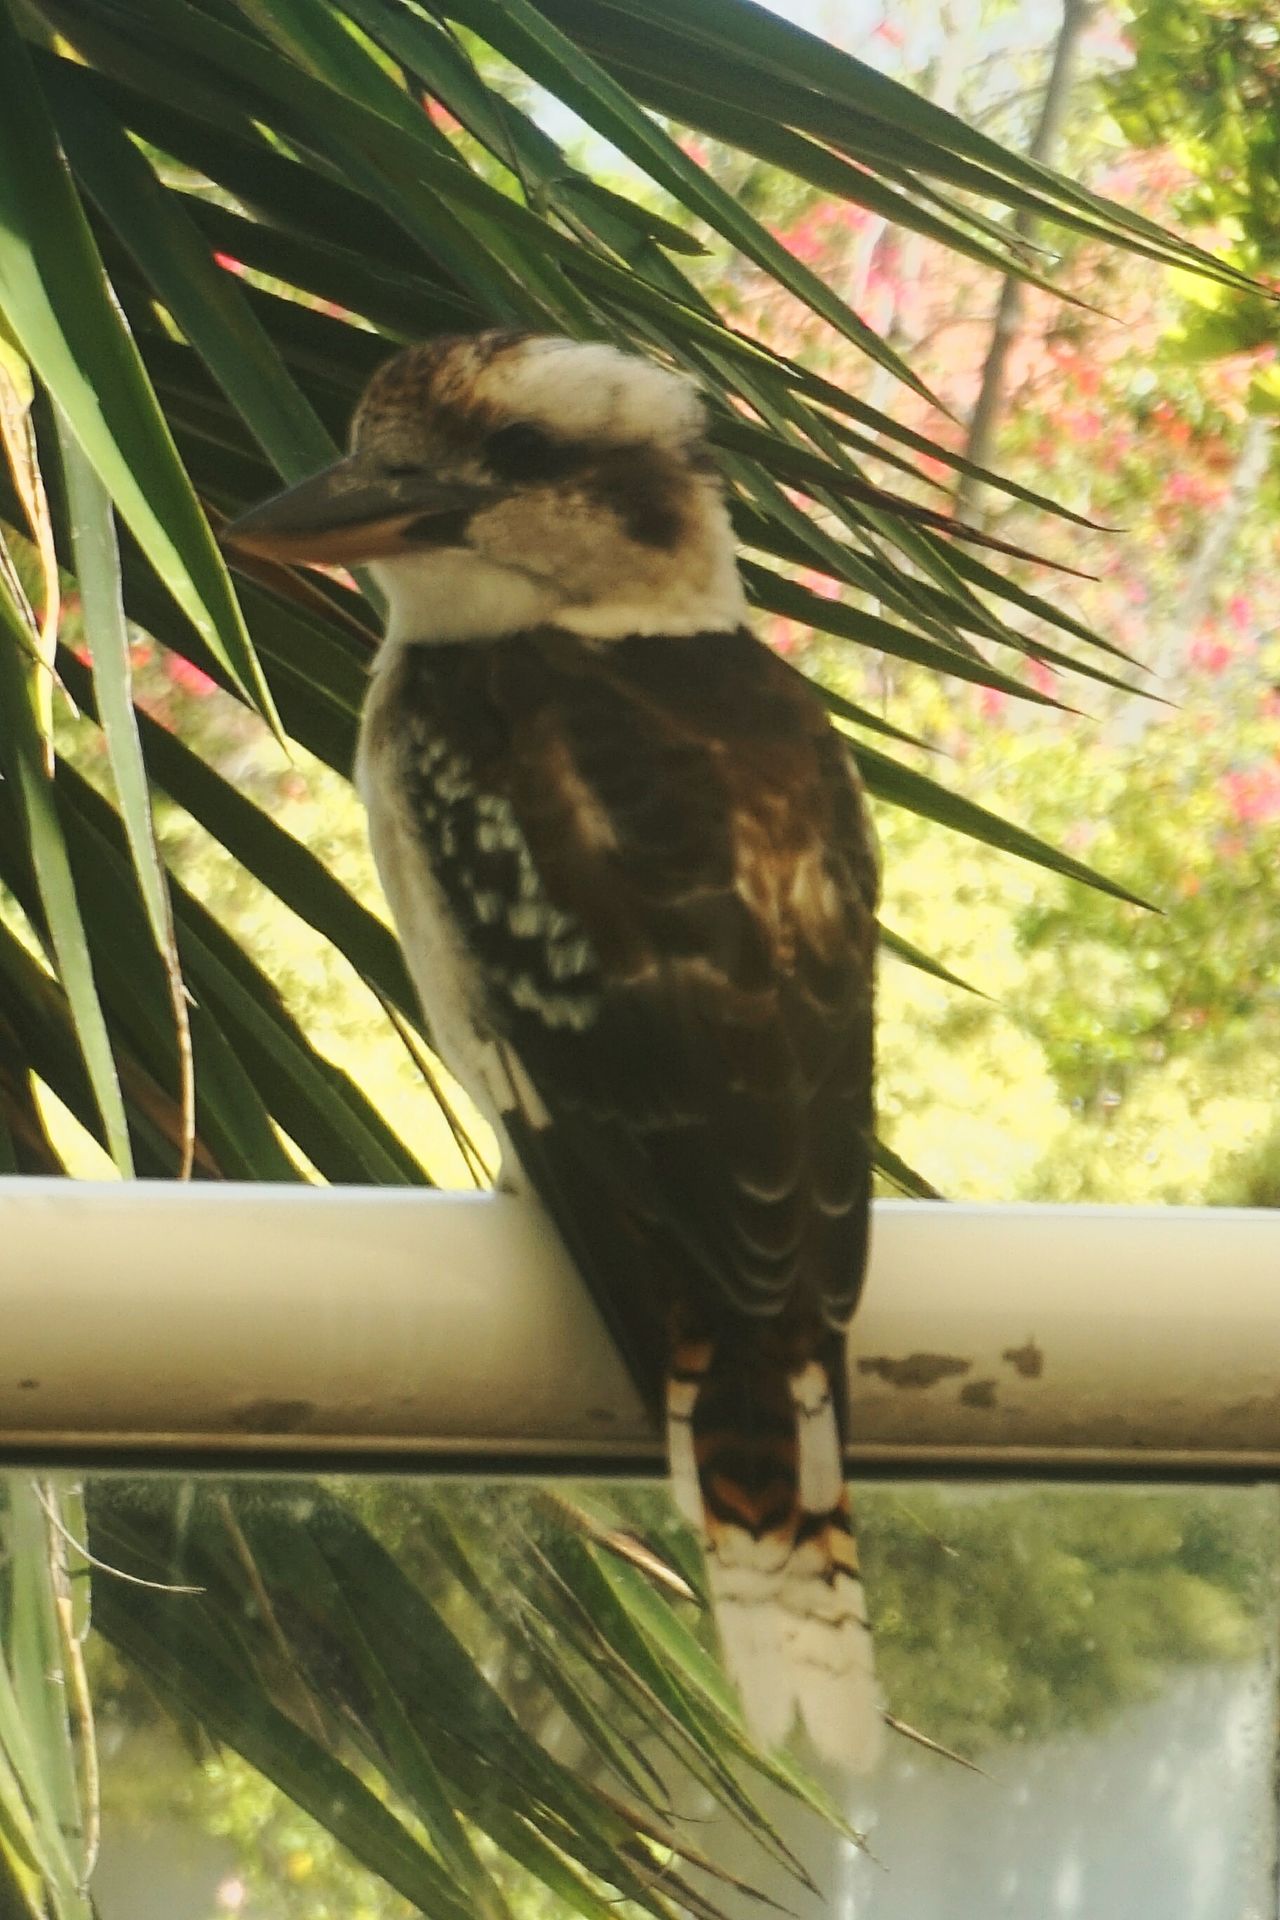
(1008, 315)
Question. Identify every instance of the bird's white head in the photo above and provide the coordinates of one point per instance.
(501, 481)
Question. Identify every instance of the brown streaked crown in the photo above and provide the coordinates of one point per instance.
(437, 378)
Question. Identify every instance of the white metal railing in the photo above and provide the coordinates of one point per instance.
(155, 1319)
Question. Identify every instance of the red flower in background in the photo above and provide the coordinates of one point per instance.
(189, 677)
(440, 116)
(1253, 793)
(1211, 655)
(820, 583)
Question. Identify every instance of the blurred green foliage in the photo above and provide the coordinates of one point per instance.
(1204, 83)
(1001, 1616)
(1017, 1615)
(1122, 1055)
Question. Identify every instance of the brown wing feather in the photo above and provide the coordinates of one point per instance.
(686, 803)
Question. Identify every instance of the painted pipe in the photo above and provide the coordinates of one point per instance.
(159, 1322)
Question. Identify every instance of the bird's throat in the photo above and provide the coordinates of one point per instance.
(455, 594)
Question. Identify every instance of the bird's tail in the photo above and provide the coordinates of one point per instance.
(757, 1467)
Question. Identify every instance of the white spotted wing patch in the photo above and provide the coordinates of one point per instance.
(481, 938)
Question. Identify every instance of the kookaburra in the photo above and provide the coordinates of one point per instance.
(628, 862)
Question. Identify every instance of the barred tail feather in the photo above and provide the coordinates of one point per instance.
(767, 1492)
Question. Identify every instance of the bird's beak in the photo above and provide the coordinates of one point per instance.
(351, 512)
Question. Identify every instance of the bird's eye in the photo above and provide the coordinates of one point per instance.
(524, 452)
(401, 470)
